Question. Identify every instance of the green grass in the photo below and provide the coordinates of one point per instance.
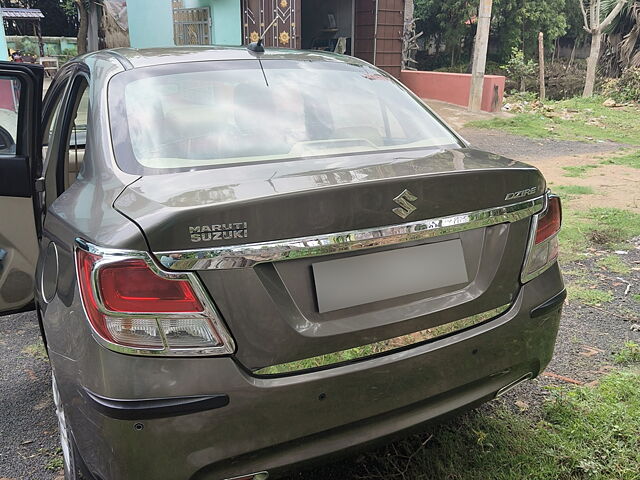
(574, 119)
(578, 171)
(588, 296)
(600, 227)
(567, 191)
(636, 297)
(631, 160)
(630, 353)
(36, 350)
(614, 264)
(583, 433)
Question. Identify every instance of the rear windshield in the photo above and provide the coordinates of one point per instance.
(203, 115)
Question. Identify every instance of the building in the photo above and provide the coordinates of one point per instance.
(369, 29)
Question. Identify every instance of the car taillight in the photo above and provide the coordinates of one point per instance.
(543, 244)
(135, 307)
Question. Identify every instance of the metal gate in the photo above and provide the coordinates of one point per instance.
(258, 15)
(192, 26)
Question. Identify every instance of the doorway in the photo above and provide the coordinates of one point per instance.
(327, 25)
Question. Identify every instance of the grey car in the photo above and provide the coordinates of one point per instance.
(244, 261)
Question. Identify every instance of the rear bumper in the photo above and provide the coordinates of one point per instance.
(275, 423)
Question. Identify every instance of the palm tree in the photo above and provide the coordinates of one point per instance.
(622, 41)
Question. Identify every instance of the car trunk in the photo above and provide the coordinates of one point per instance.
(290, 310)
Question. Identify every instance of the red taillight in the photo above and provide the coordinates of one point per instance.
(128, 304)
(131, 286)
(550, 223)
(85, 262)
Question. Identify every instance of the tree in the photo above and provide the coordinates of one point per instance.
(518, 23)
(595, 25)
(449, 24)
(82, 7)
(622, 40)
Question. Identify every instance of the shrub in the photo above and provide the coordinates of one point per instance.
(519, 69)
(624, 89)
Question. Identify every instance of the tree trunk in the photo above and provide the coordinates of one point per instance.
(523, 85)
(592, 63)
(83, 28)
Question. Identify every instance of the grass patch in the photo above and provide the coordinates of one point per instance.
(583, 433)
(567, 191)
(614, 264)
(578, 171)
(588, 296)
(601, 227)
(630, 353)
(631, 160)
(573, 119)
(636, 297)
(36, 350)
(56, 461)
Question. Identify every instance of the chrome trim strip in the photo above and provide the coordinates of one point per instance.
(363, 352)
(111, 255)
(249, 255)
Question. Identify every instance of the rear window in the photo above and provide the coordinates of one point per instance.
(203, 115)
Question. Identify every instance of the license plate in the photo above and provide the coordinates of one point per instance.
(349, 282)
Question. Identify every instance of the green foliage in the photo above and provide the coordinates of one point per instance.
(27, 46)
(624, 89)
(519, 69)
(446, 24)
(516, 23)
(630, 353)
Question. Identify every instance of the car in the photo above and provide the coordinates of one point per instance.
(246, 261)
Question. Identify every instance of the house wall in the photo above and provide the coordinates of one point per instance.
(150, 23)
(4, 51)
(225, 15)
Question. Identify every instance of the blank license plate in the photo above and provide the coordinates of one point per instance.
(363, 279)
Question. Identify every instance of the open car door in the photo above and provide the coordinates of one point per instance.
(20, 164)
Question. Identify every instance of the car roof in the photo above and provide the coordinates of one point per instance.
(144, 57)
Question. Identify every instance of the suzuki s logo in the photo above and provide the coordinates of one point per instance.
(406, 208)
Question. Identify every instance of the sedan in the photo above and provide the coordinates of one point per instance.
(246, 260)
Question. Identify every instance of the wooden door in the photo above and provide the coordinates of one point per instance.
(257, 15)
(379, 27)
(389, 36)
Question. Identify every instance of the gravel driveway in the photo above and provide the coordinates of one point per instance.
(28, 428)
(588, 336)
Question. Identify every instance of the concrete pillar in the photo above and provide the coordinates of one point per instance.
(150, 23)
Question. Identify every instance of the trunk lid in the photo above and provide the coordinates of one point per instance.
(273, 310)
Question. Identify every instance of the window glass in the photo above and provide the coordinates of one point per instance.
(77, 133)
(185, 119)
(9, 106)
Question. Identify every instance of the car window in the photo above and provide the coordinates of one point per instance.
(9, 105)
(202, 116)
(75, 131)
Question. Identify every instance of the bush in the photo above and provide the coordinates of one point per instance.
(624, 89)
(520, 70)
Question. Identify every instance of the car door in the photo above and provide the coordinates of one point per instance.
(20, 165)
